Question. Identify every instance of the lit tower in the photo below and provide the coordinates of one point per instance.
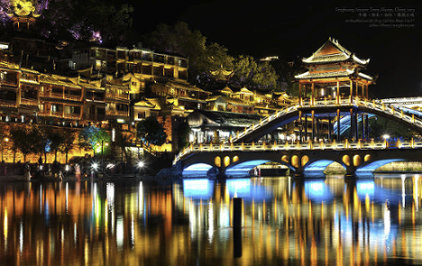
(333, 75)
(23, 12)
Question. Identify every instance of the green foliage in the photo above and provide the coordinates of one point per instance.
(24, 139)
(211, 63)
(248, 73)
(93, 137)
(381, 126)
(151, 132)
(67, 142)
(183, 135)
(55, 140)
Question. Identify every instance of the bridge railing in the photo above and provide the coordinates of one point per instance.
(375, 104)
(346, 145)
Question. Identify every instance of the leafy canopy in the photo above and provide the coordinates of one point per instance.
(150, 131)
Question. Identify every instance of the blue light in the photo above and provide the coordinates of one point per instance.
(368, 188)
(368, 170)
(196, 170)
(345, 123)
(198, 188)
(242, 169)
(318, 191)
(317, 168)
(245, 189)
(365, 188)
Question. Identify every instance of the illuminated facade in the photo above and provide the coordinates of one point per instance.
(137, 65)
(334, 75)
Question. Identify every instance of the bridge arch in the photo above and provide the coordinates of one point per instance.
(242, 168)
(196, 170)
(317, 167)
(368, 170)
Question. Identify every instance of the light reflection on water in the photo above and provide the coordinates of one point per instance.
(328, 221)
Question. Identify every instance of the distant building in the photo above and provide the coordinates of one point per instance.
(141, 64)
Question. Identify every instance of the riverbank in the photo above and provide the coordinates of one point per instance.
(150, 179)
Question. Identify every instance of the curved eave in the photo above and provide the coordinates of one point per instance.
(366, 77)
(359, 60)
(308, 75)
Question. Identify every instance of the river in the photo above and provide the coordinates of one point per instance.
(284, 221)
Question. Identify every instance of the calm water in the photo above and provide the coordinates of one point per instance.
(324, 222)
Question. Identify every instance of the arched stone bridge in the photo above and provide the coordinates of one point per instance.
(309, 159)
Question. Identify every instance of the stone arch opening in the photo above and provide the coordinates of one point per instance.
(196, 170)
(317, 168)
(242, 169)
(369, 169)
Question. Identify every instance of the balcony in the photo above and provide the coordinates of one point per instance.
(51, 114)
(61, 96)
(117, 96)
(117, 113)
(32, 102)
(6, 103)
(73, 116)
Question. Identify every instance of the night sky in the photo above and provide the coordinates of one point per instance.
(263, 28)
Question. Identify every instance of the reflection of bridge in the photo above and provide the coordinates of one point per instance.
(309, 158)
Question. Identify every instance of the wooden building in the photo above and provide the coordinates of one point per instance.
(334, 73)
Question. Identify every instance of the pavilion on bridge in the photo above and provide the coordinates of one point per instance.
(333, 73)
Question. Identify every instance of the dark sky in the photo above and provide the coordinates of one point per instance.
(262, 28)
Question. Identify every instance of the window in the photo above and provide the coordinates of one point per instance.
(56, 108)
(141, 115)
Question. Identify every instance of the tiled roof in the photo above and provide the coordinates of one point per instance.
(332, 51)
(331, 74)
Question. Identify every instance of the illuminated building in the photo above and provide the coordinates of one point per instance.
(137, 65)
(23, 13)
(334, 74)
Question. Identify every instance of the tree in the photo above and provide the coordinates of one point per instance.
(183, 132)
(94, 138)
(151, 132)
(123, 140)
(56, 139)
(67, 143)
(41, 143)
(84, 20)
(24, 140)
(203, 59)
(210, 65)
(257, 76)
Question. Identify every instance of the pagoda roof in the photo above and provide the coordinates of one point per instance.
(332, 51)
(331, 74)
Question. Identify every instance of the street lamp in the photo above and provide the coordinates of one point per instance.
(94, 166)
(139, 165)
